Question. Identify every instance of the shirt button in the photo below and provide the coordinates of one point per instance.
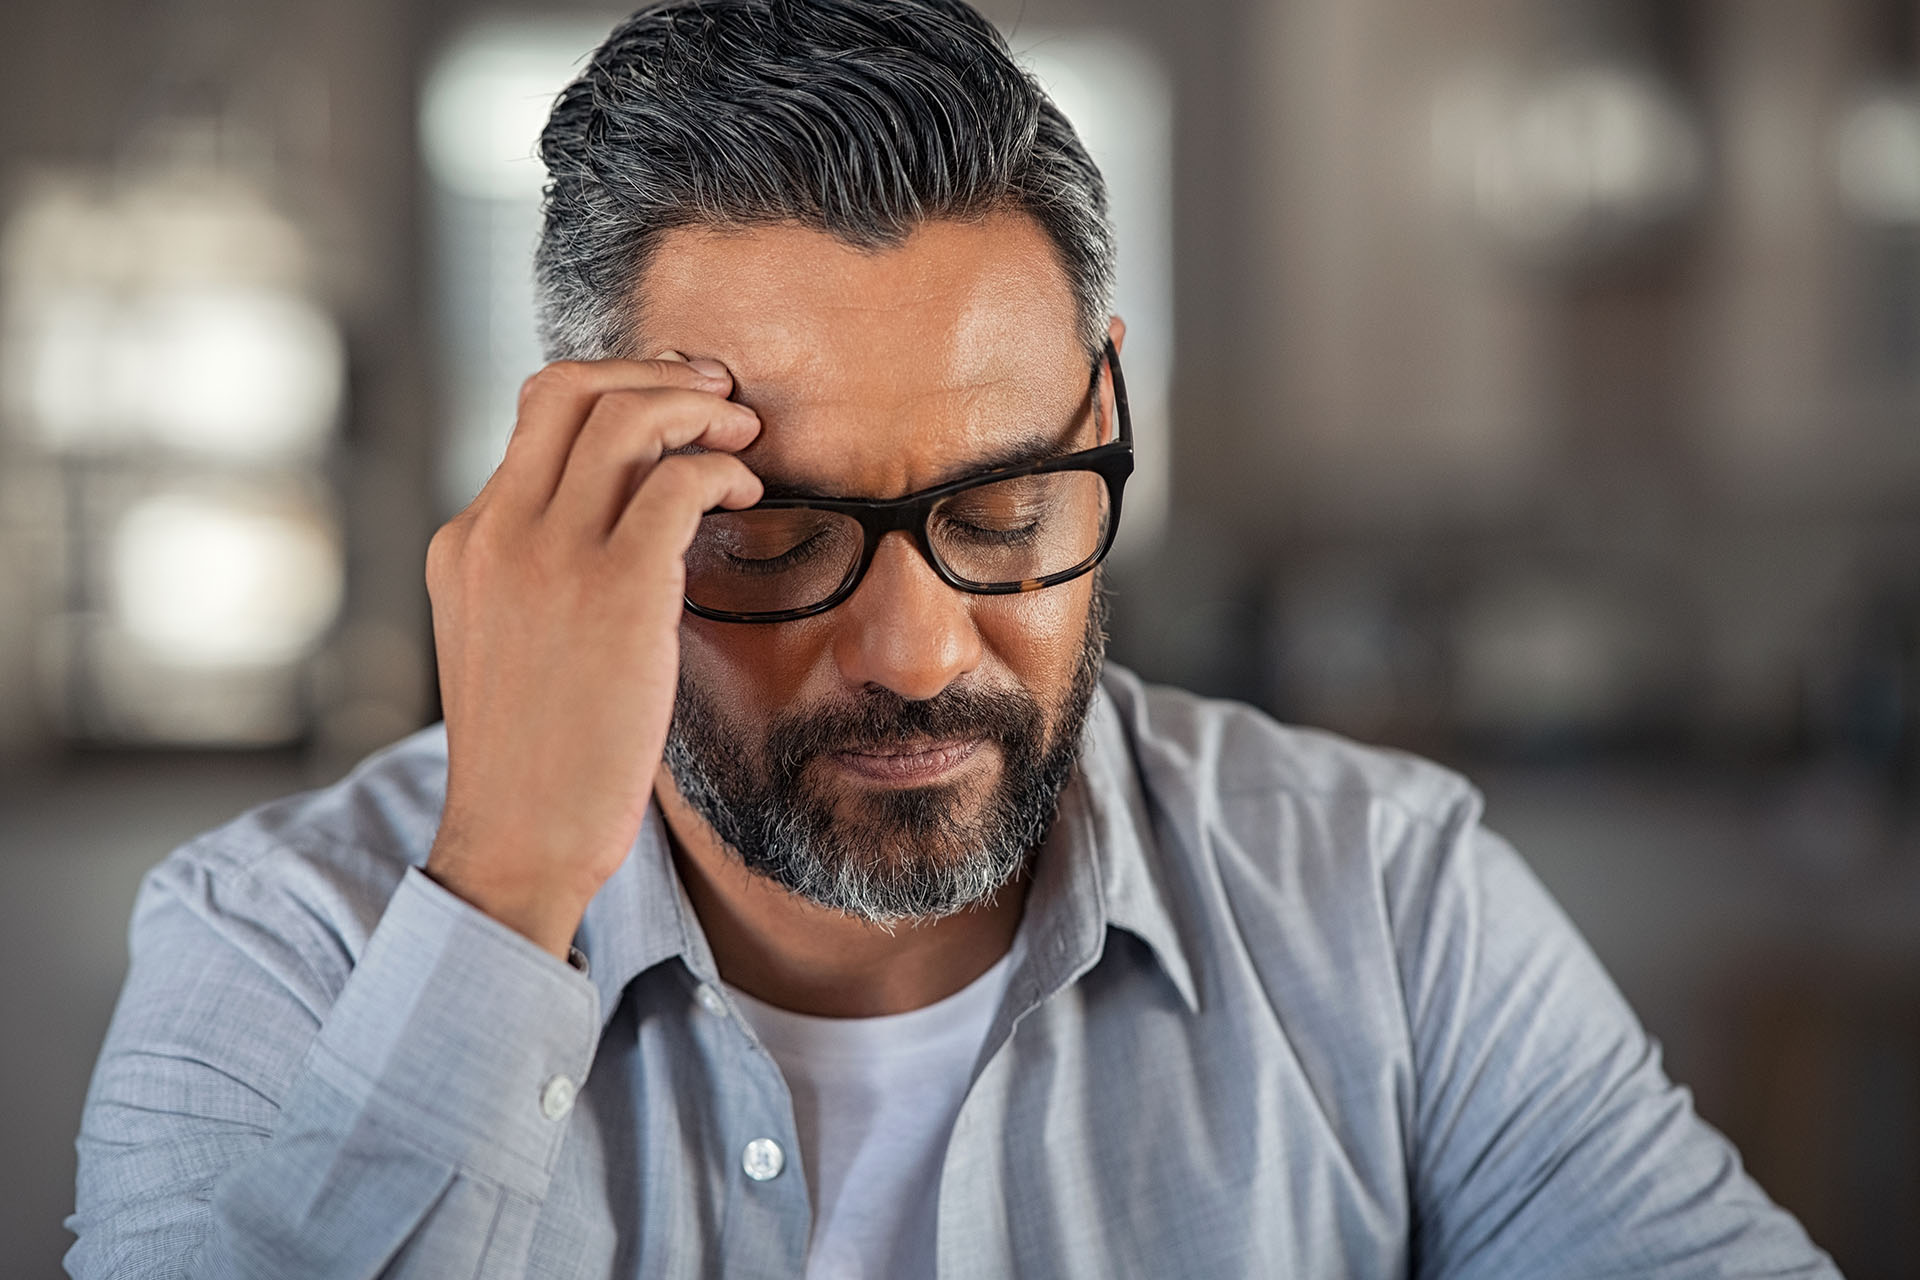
(763, 1159)
(710, 1000)
(556, 1097)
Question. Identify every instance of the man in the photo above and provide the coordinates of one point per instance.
(789, 892)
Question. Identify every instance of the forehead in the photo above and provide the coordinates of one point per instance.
(876, 372)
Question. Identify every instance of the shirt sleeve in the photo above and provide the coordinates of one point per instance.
(1547, 1138)
(247, 1120)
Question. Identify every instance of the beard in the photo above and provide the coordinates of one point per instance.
(884, 854)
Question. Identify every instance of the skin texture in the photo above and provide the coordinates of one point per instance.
(557, 594)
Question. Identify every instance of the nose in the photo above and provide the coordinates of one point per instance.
(903, 629)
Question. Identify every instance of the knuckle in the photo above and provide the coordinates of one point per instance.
(624, 401)
(486, 541)
(444, 547)
(613, 419)
(669, 475)
(457, 557)
(561, 375)
(479, 553)
(633, 413)
(680, 477)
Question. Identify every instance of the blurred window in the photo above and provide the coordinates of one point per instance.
(173, 389)
(1119, 99)
(1877, 157)
(485, 100)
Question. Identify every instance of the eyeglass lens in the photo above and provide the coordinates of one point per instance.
(1002, 533)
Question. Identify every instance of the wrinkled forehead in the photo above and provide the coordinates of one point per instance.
(877, 372)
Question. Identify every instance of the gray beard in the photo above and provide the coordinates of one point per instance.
(902, 854)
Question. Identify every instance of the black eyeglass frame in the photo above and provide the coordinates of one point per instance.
(1112, 461)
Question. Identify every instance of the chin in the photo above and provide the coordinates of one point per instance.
(947, 803)
(940, 822)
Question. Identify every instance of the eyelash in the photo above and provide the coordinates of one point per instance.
(995, 537)
(777, 564)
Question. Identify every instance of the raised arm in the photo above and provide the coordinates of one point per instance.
(317, 1080)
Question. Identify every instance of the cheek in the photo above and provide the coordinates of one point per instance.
(1037, 636)
(752, 672)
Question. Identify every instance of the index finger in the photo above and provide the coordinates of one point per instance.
(556, 402)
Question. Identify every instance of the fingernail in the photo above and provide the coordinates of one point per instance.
(671, 354)
(706, 368)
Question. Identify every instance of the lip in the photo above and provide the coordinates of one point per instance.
(913, 764)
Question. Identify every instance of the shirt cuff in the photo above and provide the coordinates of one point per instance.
(465, 1034)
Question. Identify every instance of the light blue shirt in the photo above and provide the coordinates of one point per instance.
(1284, 1008)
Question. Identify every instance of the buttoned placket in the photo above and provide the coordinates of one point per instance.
(749, 1141)
(1065, 927)
(754, 1153)
(768, 1217)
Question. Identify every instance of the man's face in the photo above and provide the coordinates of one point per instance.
(898, 755)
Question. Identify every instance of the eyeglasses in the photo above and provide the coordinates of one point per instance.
(1011, 529)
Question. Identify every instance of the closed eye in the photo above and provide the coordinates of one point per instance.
(983, 535)
(810, 549)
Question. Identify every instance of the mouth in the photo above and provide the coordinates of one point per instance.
(909, 763)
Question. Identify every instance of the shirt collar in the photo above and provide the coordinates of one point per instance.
(1119, 840)
(640, 917)
(1098, 868)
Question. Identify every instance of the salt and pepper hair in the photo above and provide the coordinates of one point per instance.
(860, 118)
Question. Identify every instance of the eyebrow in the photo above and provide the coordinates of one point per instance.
(1035, 448)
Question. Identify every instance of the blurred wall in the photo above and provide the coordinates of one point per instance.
(1545, 394)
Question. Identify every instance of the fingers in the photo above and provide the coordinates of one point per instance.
(626, 433)
(658, 524)
(555, 404)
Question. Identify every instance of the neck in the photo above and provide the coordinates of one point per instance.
(795, 954)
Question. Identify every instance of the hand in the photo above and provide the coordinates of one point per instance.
(556, 618)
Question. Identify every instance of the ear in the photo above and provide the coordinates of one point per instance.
(1117, 331)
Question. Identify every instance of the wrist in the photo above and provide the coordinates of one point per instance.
(540, 909)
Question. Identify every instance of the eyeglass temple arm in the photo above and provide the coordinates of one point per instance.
(1123, 428)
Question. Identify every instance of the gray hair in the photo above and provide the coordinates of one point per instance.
(860, 118)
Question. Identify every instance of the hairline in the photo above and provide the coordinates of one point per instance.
(1090, 328)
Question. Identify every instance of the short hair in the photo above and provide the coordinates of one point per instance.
(860, 118)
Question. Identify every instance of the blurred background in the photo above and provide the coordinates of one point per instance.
(1534, 384)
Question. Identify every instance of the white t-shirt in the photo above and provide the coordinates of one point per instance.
(875, 1100)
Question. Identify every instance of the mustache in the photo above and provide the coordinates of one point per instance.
(881, 719)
